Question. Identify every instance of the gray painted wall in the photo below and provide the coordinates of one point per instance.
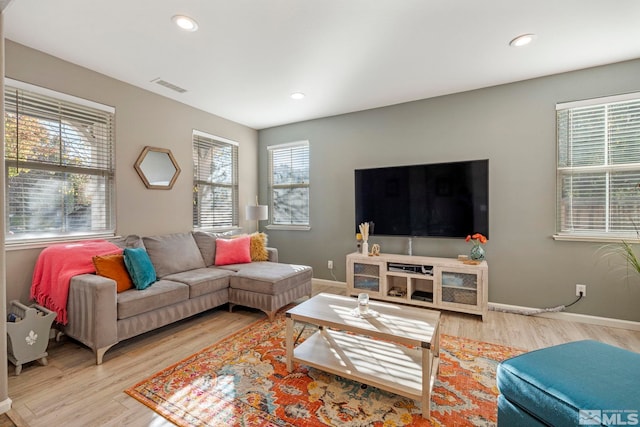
(142, 118)
(511, 125)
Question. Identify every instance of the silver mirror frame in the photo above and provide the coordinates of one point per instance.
(151, 182)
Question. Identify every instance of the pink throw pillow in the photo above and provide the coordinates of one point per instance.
(233, 251)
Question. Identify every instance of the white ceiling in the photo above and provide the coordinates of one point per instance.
(346, 55)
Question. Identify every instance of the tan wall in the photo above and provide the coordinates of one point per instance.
(142, 118)
(5, 401)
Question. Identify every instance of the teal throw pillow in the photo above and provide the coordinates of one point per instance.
(139, 267)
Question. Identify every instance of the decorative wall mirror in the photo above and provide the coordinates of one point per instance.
(157, 167)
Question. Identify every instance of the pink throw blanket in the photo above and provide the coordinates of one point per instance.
(55, 267)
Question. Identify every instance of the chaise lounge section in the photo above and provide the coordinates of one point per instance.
(267, 286)
(188, 282)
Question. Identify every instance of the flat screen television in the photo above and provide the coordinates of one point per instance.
(430, 200)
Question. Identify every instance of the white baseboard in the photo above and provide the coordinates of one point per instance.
(5, 405)
(325, 282)
(561, 315)
(572, 317)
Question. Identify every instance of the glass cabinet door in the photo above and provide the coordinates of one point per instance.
(459, 288)
(366, 277)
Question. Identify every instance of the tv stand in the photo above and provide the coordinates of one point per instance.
(437, 283)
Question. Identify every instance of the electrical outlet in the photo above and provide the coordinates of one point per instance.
(330, 264)
(581, 290)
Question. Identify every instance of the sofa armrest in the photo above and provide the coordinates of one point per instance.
(92, 312)
(273, 254)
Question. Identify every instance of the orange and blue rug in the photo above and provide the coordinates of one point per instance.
(242, 381)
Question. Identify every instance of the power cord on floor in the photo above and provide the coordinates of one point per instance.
(533, 311)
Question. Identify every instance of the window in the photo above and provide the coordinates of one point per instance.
(598, 174)
(289, 184)
(215, 182)
(59, 158)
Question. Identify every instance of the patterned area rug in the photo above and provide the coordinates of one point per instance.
(242, 381)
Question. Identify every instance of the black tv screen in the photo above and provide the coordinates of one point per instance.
(431, 200)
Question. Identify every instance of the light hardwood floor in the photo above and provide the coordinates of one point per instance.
(72, 391)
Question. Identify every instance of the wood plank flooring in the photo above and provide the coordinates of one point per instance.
(72, 391)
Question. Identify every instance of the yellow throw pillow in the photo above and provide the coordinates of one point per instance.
(258, 247)
(112, 267)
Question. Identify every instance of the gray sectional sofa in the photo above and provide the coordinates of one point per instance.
(188, 283)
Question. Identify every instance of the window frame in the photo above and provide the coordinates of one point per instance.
(607, 167)
(214, 141)
(69, 111)
(271, 186)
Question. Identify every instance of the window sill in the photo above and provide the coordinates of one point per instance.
(288, 227)
(18, 245)
(220, 230)
(595, 239)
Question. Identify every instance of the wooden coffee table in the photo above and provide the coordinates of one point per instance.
(397, 350)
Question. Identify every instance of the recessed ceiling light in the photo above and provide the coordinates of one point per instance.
(522, 40)
(185, 23)
(297, 95)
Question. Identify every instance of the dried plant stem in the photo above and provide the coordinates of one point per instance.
(364, 230)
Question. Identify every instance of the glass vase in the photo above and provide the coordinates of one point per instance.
(477, 253)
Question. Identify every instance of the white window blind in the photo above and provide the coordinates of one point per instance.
(289, 184)
(215, 182)
(59, 158)
(598, 173)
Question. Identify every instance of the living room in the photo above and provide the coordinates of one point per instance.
(513, 125)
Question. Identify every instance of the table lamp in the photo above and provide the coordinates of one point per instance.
(257, 213)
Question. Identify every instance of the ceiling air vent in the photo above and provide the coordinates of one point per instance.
(168, 85)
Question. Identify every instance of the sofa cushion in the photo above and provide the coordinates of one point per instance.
(163, 293)
(233, 251)
(139, 267)
(268, 277)
(207, 244)
(112, 267)
(130, 241)
(173, 253)
(202, 280)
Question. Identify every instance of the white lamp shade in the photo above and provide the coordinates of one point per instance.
(257, 212)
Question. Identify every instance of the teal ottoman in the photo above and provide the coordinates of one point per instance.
(573, 384)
